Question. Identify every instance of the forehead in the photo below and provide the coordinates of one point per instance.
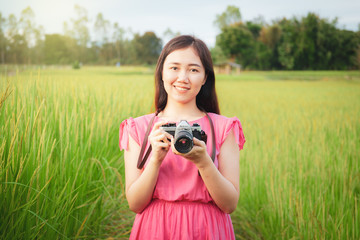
(183, 56)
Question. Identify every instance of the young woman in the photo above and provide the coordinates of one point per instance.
(183, 195)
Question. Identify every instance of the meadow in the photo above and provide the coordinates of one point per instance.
(62, 173)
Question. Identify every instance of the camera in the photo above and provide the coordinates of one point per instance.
(183, 135)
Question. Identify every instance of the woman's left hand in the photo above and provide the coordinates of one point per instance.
(196, 155)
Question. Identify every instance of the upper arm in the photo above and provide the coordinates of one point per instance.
(229, 160)
(131, 155)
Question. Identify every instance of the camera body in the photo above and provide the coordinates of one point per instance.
(183, 135)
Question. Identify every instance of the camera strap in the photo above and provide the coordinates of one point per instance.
(141, 160)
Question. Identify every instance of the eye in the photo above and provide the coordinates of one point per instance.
(194, 70)
(174, 68)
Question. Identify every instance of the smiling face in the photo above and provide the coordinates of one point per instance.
(183, 75)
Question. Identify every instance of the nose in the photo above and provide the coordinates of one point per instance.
(183, 76)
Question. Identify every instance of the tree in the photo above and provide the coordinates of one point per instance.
(231, 16)
(58, 49)
(218, 56)
(13, 28)
(306, 46)
(255, 26)
(80, 28)
(237, 41)
(118, 40)
(270, 37)
(37, 51)
(29, 31)
(262, 57)
(356, 58)
(17, 49)
(147, 47)
(27, 25)
(80, 31)
(315, 43)
(101, 28)
(346, 51)
(17, 46)
(169, 34)
(3, 40)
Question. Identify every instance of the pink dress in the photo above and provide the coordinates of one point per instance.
(181, 207)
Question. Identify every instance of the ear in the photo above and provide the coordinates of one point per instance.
(204, 81)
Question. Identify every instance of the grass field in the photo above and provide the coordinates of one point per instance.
(62, 174)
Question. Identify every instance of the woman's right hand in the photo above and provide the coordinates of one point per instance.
(160, 142)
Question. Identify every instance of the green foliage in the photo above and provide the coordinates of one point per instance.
(306, 43)
(254, 28)
(76, 65)
(237, 41)
(218, 56)
(286, 59)
(3, 39)
(101, 27)
(59, 49)
(230, 16)
(25, 43)
(147, 47)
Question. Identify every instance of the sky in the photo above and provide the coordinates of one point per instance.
(195, 17)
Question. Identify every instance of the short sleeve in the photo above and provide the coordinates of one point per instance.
(127, 127)
(234, 123)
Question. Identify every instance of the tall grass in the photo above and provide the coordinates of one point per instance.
(62, 174)
(300, 170)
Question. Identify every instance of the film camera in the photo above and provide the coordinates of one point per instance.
(183, 135)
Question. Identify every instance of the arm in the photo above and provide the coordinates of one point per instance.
(140, 184)
(222, 183)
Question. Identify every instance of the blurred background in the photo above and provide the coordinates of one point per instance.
(253, 34)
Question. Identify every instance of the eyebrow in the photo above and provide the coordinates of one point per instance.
(191, 64)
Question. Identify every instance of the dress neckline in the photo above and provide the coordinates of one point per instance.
(196, 120)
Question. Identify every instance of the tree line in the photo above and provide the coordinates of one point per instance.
(25, 42)
(306, 43)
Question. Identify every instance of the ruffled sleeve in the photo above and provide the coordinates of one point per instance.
(127, 127)
(234, 123)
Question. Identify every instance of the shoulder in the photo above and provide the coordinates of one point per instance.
(141, 123)
(138, 121)
(135, 127)
(221, 119)
(224, 125)
(144, 118)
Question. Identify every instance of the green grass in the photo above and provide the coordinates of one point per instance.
(62, 174)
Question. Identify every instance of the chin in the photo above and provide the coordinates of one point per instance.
(184, 100)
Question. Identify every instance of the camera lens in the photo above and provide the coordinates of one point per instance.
(184, 142)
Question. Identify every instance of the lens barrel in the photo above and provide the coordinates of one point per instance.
(183, 141)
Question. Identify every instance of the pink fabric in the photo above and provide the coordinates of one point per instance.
(182, 208)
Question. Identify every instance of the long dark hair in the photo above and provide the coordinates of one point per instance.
(206, 100)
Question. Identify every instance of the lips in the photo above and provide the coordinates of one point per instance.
(182, 88)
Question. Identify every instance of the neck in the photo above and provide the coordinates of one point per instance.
(175, 112)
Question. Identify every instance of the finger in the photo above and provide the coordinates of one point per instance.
(162, 145)
(157, 125)
(168, 136)
(173, 149)
(198, 142)
(157, 132)
(162, 138)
